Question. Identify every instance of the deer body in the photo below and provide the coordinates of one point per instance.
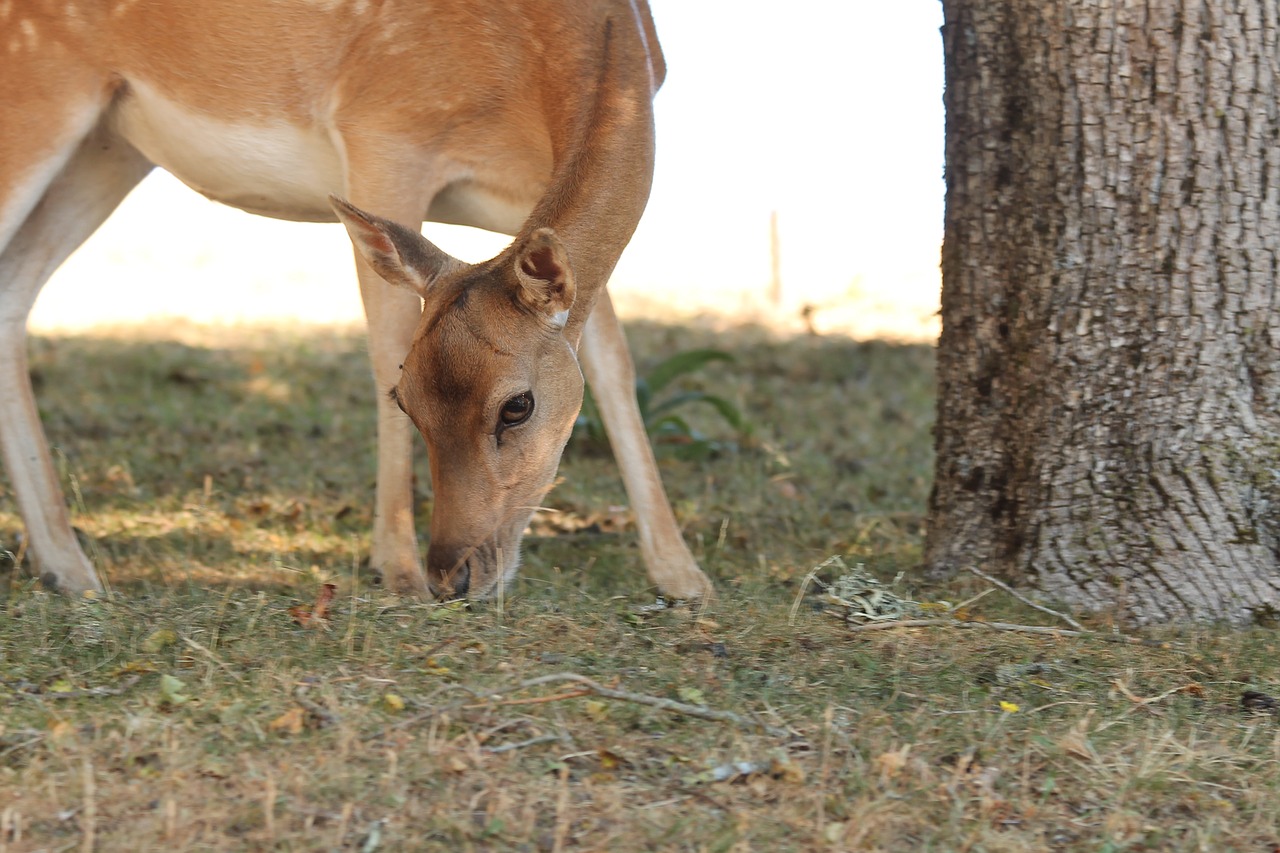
(531, 119)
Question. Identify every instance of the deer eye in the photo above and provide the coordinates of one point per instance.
(516, 410)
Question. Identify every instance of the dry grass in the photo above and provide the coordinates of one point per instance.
(224, 476)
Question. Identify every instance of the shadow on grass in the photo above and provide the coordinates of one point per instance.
(247, 456)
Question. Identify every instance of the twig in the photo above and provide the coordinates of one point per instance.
(536, 700)
(804, 587)
(562, 811)
(431, 713)
(590, 686)
(1007, 626)
(213, 658)
(688, 710)
(986, 577)
(15, 747)
(919, 623)
(88, 691)
(89, 823)
(970, 601)
(320, 712)
(533, 741)
(1056, 704)
(1140, 700)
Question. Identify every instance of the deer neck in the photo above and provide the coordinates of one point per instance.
(603, 163)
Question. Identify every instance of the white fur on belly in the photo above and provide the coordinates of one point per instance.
(270, 167)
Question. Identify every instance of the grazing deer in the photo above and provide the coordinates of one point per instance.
(533, 119)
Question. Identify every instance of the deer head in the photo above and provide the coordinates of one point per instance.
(491, 382)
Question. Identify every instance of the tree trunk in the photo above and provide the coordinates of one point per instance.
(1108, 427)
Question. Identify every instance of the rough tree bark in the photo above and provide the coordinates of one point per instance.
(1108, 423)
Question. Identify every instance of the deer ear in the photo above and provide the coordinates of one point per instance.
(401, 256)
(544, 281)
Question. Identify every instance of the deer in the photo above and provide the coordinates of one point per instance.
(530, 119)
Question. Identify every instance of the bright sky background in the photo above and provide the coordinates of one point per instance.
(828, 112)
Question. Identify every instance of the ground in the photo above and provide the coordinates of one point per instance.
(223, 477)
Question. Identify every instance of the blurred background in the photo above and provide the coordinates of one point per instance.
(799, 184)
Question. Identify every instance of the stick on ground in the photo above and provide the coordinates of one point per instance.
(589, 686)
(688, 710)
(986, 577)
(1008, 626)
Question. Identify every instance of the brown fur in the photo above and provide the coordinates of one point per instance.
(531, 118)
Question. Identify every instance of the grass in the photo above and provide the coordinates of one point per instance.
(223, 477)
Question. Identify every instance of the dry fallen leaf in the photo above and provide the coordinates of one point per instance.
(1076, 742)
(315, 616)
(288, 723)
(610, 760)
(891, 763)
(785, 770)
(434, 667)
(133, 667)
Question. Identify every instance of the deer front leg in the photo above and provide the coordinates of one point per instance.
(392, 314)
(606, 362)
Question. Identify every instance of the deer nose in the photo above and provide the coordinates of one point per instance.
(461, 581)
(451, 576)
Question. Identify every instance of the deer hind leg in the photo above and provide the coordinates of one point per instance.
(606, 362)
(392, 315)
(70, 184)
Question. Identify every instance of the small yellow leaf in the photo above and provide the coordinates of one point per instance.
(596, 709)
(434, 667)
(132, 667)
(159, 639)
(61, 686)
(288, 723)
(1009, 707)
(610, 760)
(692, 695)
(392, 702)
